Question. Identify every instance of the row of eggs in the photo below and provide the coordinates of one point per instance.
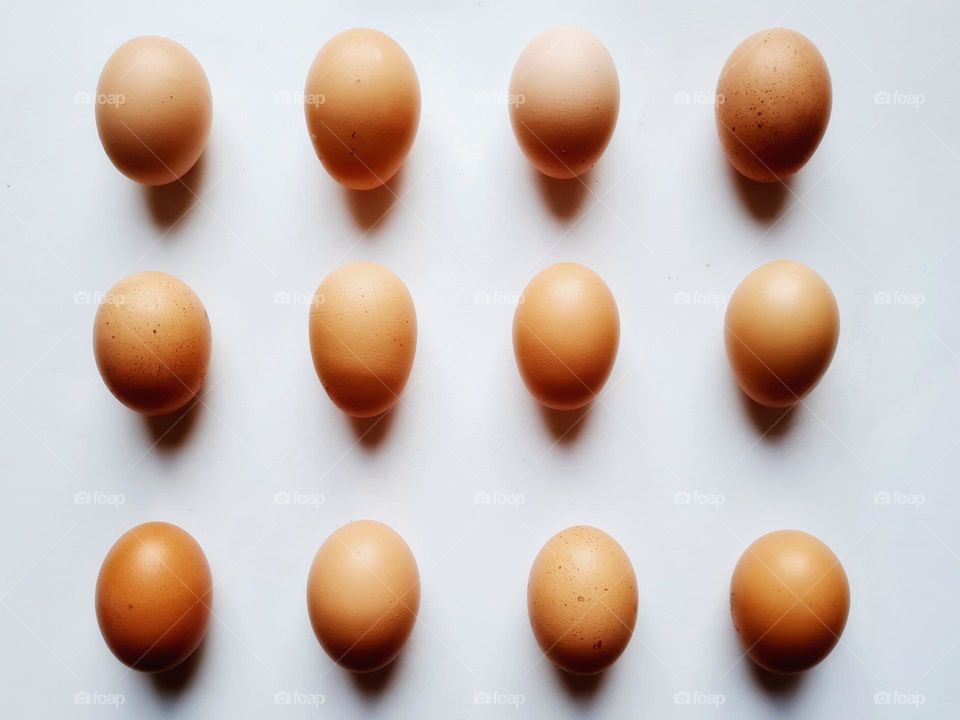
(152, 337)
(789, 598)
(362, 105)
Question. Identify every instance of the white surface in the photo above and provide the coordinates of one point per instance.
(873, 212)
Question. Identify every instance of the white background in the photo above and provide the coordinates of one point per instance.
(662, 214)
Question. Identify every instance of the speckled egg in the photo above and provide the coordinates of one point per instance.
(582, 600)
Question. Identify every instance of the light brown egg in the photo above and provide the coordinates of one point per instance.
(363, 336)
(564, 101)
(582, 600)
(153, 110)
(566, 331)
(781, 331)
(151, 340)
(790, 599)
(362, 102)
(363, 595)
(153, 597)
(773, 104)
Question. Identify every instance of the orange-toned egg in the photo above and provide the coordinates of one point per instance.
(363, 337)
(781, 331)
(363, 595)
(153, 597)
(566, 332)
(151, 340)
(564, 101)
(789, 598)
(154, 110)
(774, 99)
(582, 600)
(362, 104)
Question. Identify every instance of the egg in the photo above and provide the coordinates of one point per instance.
(781, 330)
(582, 600)
(153, 597)
(773, 104)
(363, 337)
(151, 341)
(564, 101)
(153, 110)
(362, 104)
(566, 331)
(363, 595)
(789, 598)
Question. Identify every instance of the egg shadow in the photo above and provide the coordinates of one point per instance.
(782, 688)
(773, 424)
(372, 685)
(565, 425)
(171, 684)
(564, 198)
(169, 203)
(582, 689)
(370, 208)
(764, 201)
(371, 432)
(172, 431)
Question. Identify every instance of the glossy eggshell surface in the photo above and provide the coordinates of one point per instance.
(153, 109)
(151, 340)
(774, 99)
(582, 600)
(362, 104)
(363, 337)
(789, 598)
(781, 330)
(363, 595)
(153, 597)
(564, 101)
(566, 332)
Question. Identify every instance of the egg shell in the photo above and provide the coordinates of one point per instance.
(153, 597)
(564, 101)
(154, 110)
(582, 600)
(363, 337)
(781, 330)
(152, 341)
(363, 595)
(566, 332)
(774, 99)
(362, 105)
(790, 599)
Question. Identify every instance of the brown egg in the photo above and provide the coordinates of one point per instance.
(773, 104)
(362, 103)
(789, 598)
(153, 110)
(153, 598)
(564, 101)
(566, 331)
(363, 336)
(151, 339)
(363, 595)
(781, 331)
(582, 600)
